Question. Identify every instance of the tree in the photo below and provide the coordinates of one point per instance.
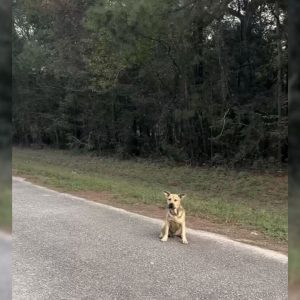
(193, 81)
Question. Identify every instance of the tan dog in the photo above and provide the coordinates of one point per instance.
(175, 218)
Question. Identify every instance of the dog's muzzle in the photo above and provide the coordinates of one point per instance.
(171, 206)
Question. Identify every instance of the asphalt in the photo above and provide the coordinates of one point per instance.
(69, 248)
(5, 267)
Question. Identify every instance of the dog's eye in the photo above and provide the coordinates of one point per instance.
(175, 200)
(170, 199)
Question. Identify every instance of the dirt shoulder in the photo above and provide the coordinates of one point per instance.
(231, 231)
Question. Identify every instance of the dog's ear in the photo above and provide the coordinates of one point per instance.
(181, 196)
(167, 194)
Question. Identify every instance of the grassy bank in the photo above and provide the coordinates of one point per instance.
(254, 201)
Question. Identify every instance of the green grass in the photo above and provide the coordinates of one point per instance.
(294, 264)
(5, 208)
(254, 201)
(294, 232)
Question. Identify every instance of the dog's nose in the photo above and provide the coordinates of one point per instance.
(171, 205)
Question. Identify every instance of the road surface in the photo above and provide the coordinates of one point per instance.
(5, 267)
(69, 248)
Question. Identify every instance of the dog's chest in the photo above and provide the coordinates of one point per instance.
(174, 226)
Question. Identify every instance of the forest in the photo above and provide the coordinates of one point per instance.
(193, 81)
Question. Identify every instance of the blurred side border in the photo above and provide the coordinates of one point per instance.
(294, 148)
(5, 114)
(5, 147)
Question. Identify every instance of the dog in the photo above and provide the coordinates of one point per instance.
(175, 218)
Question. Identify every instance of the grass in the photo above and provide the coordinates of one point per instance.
(294, 264)
(5, 208)
(294, 232)
(254, 201)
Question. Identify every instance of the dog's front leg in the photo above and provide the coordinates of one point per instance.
(162, 232)
(183, 234)
(166, 233)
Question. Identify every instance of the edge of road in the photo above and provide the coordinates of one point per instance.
(222, 239)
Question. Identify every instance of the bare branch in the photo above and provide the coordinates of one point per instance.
(224, 122)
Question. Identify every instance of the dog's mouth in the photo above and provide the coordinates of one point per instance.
(173, 211)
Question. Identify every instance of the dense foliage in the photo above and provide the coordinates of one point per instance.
(194, 81)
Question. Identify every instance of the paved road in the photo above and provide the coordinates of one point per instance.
(5, 267)
(67, 248)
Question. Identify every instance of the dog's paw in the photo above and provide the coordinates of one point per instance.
(164, 239)
(185, 242)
